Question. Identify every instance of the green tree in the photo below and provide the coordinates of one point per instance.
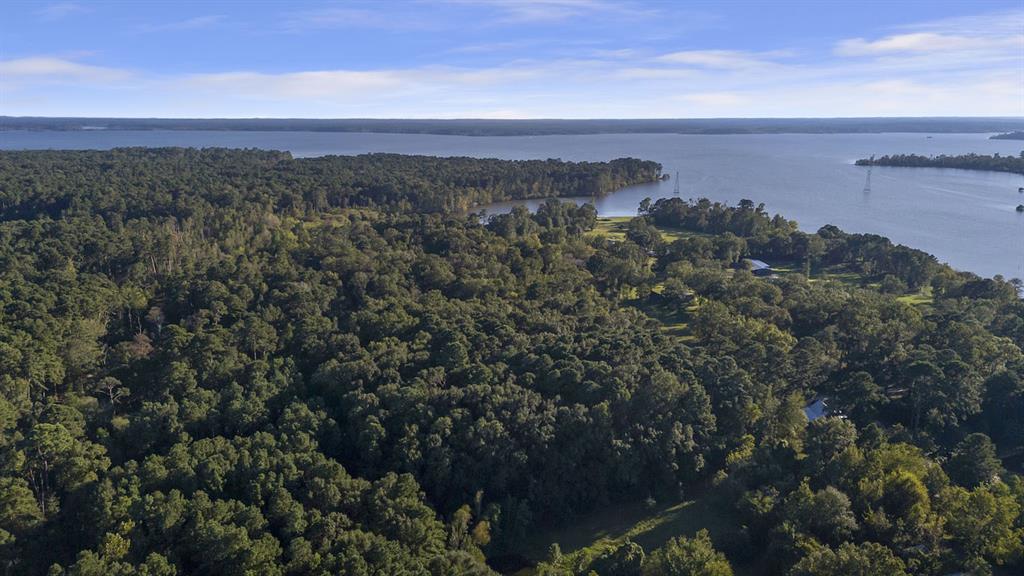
(984, 524)
(974, 461)
(683, 556)
(626, 560)
(867, 559)
(826, 440)
(826, 514)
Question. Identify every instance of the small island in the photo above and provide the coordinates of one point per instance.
(994, 163)
(1015, 135)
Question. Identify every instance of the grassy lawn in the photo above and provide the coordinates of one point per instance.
(838, 273)
(650, 527)
(673, 319)
(922, 298)
(842, 273)
(672, 234)
(614, 228)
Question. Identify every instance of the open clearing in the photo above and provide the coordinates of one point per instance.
(650, 526)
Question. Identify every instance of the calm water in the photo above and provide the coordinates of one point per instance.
(965, 218)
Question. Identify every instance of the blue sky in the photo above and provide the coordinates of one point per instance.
(512, 59)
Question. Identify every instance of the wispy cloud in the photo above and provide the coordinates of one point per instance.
(977, 36)
(947, 67)
(724, 59)
(490, 47)
(715, 100)
(56, 69)
(355, 17)
(196, 23)
(621, 53)
(346, 84)
(652, 73)
(60, 10)
(998, 23)
(539, 11)
(417, 14)
(921, 42)
(297, 85)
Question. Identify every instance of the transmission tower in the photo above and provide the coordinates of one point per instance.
(867, 182)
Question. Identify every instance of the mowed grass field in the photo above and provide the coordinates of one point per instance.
(849, 277)
(649, 526)
(614, 228)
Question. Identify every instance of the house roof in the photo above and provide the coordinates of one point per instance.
(816, 409)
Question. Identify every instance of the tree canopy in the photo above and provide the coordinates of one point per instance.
(995, 162)
(236, 362)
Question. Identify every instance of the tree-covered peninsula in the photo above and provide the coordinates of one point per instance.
(1014, 135)
(995, 162)
(229, 362)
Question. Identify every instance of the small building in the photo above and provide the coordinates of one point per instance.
(758, 267)
(816, 409)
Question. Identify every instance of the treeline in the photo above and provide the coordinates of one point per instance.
(213, 377)
(186, 182)
(1015, 135)
(994, 162)
(497, 127)
(753, 232)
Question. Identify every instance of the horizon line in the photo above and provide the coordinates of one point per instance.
(485, 119)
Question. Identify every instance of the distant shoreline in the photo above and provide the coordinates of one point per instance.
(1015, 135)
(545, 127)
(976, 162)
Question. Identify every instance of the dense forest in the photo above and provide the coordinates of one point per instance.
(995, 162)
(533, 127)
(222, 362)
(187, 182)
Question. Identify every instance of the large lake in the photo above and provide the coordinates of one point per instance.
(965, 218)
